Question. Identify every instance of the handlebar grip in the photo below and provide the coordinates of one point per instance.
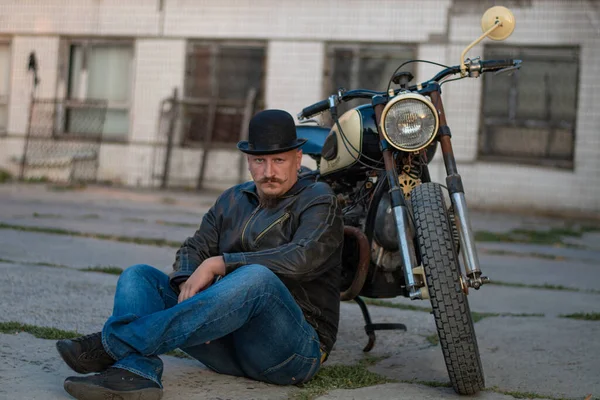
(494, 65)
(314, 109)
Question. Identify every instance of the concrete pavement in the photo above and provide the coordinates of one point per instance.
(548, 356)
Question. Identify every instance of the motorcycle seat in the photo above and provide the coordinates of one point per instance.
(315, 136)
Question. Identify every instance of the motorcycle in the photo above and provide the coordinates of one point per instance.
(401, 239)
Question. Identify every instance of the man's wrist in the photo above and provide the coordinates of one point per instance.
(219, 266)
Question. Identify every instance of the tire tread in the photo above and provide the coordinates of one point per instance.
(450, 305)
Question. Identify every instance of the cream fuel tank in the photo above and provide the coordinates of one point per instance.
(338, 151)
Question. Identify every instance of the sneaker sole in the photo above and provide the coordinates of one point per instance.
(84, 391)
(65, 354)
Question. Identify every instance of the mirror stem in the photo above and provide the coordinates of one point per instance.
(463, 68)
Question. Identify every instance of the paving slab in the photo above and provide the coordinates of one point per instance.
(590, 240)
(30, 368)
(572, 273)
(568, 253)
(503, 299)
(503, 341)
(98, 198)
(503, 222)
(147, 229)
(56, 297)
(125, 218)
(78, 252)
(554, 357)
(407, 391)
(547, 356)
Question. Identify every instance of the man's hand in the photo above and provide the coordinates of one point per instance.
(202, 277)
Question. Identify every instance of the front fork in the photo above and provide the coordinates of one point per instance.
(405, 238)
(457, 196)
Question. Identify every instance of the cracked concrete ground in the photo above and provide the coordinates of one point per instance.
(549, 356)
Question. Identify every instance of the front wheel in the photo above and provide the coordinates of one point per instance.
(450, 305)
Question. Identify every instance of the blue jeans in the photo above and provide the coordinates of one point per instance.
(254, 326)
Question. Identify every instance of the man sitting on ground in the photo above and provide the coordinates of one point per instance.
(254, 293)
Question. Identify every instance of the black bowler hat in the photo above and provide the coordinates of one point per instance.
(271, 132)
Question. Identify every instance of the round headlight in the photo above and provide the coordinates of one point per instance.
(409, 122)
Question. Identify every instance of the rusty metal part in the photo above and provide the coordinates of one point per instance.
(371, 343)
(421, 280)
(445, 143)
(463, 285)
(388, 158)
(364, 259)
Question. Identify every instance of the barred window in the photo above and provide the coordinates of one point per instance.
(221, 79)
(529, 117)
(363, 66)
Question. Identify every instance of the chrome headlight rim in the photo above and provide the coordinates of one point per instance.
(402, 97)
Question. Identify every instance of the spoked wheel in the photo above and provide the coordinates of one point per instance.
(450, 305)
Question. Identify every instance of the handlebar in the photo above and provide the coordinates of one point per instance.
(474, 68)
(314, 109)
(495, 65)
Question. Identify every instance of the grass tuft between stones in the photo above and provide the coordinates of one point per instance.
(583, 316)
(552, 236)
(175, 223)
(112, 270)
(496, 252)
(476, 316)
(332, 377)
(45, 215)
(383, 303)
(433, 339)
(102, 236)
(522, 395)
(40, 332)
(5, 176)
(179, 354)
(545, 286)
(105, 269)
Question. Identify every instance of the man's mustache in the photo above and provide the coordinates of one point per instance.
(271, 180)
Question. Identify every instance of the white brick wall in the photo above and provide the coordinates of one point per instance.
(80, 17)
(46, 50)
(296, 33)
(380, 20)
(293, 74)
(159, 68)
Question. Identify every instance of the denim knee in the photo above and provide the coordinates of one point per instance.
(136, 272)
(258, 277)
(257, 273)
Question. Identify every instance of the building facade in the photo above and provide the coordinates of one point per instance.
(527, 140)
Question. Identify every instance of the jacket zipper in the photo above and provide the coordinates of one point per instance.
(278, 220)
(246, 225)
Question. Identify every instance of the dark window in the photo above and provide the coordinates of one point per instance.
(221, 79)
(364, 66)
(529, 117)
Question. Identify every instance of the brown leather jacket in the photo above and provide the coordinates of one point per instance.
(300, 240)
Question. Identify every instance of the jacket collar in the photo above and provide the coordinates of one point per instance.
(300, 185)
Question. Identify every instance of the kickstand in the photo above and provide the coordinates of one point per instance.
(370, 327)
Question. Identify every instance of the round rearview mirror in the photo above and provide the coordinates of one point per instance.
(501, 16)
